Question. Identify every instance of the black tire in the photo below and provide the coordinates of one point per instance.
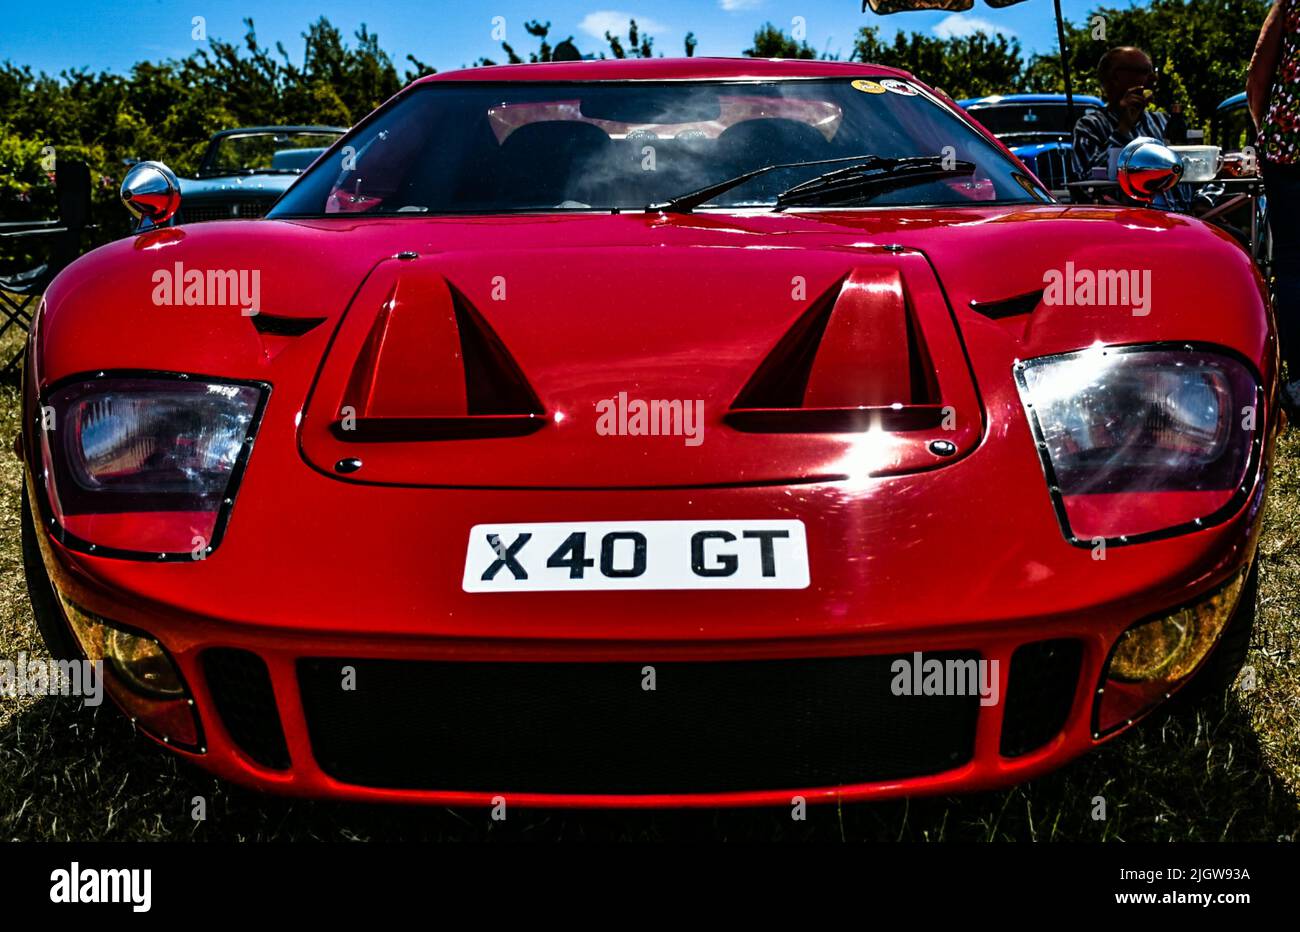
(45, 605)
(1226, 660)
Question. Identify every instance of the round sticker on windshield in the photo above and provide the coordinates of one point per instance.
(895, 86)
(868, 87)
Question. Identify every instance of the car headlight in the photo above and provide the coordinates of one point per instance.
(1143, 441)
(145, 466)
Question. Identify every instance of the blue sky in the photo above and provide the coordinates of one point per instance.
(114, 34)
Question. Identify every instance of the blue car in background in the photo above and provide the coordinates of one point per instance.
(244, 170)
(1037, 128)
(1233, 131)
(1232, 128)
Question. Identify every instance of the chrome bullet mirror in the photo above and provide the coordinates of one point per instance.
(151, 192)
(1146, 168)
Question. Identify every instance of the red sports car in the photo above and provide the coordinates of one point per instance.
(651, 433)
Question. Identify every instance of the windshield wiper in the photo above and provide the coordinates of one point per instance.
(857, 184)
(685, 203)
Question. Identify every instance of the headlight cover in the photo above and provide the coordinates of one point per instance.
(1139, 442)
(145, 466)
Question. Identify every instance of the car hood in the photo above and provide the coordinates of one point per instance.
(512, 351)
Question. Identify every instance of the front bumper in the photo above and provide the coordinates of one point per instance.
(335, 603)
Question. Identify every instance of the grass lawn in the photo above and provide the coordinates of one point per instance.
(1227, 772)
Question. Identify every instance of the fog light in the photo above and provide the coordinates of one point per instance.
(140, 661)
(137, 659)
(1153, 657)
(140, 677)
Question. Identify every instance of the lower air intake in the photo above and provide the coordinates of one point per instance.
(1040, 693)
(593, 728)
(241, 690)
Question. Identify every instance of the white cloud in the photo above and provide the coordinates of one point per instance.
(959, 25)
(615, 21)
(732, 6)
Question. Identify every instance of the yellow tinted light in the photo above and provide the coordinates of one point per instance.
(142, 663)
(137, 659)
(1170, 648)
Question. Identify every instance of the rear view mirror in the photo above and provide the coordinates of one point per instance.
(650, 105)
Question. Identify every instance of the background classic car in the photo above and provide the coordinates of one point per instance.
(244, 170)
(1037, 128)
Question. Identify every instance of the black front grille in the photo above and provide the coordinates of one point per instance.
(1052, 166)
(1041, 686)
(241, 690)
(593, 728)
(199, 211)
(1056, 174)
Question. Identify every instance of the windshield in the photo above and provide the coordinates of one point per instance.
(496, 148)
(1020, 120)
(288, 152)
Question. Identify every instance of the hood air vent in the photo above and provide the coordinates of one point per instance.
(855, 360)
(432, 369)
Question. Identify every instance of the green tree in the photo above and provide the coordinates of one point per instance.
(167, 110)
(770, 42)
(538, 30)
(966, 66)
(639, 45)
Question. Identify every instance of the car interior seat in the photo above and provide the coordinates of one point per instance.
(546, 164)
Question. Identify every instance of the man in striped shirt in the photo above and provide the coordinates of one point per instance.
(1127, 81)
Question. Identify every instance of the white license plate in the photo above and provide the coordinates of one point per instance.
(636, 555)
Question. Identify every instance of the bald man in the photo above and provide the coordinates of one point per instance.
(1128, 81)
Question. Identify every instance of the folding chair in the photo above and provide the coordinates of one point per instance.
(20, 290)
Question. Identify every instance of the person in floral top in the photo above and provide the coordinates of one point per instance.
(1273, 92)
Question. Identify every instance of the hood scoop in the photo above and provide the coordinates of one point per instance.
(856, 360)
(431, 368)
